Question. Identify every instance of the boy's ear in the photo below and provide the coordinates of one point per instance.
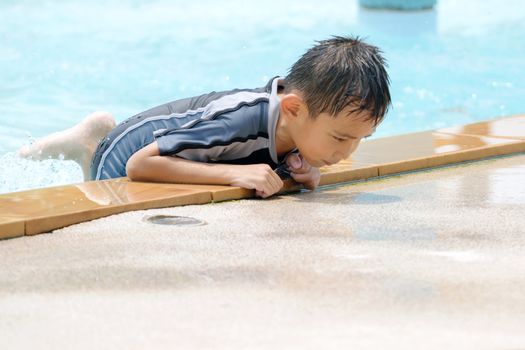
(293, 105)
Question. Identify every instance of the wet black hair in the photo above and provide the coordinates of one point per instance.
(340, 72)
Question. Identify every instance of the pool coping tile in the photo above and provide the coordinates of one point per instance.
(396, 154)
(337, 174)
(510, 127)
(451, 158)
(48, 223)
(47, 209)
(11, 228)
(43, 210)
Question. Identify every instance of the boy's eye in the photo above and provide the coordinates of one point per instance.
(338, 139)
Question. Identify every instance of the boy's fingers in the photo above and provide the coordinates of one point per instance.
(271, 184)
(297, 164)
(276, 182)
(309, 180)
(305, 168)
(299, 177)
(309, 184)
(294, 161)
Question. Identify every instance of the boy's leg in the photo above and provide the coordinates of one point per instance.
(77, 143)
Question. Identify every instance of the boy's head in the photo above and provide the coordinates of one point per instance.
(341, 72)
(339, 92)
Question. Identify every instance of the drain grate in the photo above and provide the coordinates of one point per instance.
(173, 220)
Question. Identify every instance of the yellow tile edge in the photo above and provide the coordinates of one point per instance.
(12, 228)
(329, 178)
(499, 135)
(45, 224)
(452, 157)
(221, 193)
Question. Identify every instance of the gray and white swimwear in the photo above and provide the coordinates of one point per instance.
(235, 127)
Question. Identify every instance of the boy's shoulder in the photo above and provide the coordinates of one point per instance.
(221, 100)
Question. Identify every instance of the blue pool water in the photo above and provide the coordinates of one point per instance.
(59, 61)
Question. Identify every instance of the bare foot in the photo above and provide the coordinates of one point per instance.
(77, 143)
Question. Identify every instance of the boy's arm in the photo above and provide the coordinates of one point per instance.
(148, 165)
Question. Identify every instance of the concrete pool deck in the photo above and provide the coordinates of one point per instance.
(431, 260)
(43, 210)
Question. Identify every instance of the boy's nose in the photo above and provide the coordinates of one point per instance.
(338, 156)
(344, 154)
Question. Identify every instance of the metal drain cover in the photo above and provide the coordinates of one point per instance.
(173, 220)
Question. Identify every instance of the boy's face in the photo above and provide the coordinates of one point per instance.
(326, 140)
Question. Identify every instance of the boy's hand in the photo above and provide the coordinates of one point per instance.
(260, 177)
(302, 172)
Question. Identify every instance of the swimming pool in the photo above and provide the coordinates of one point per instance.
(452, 65)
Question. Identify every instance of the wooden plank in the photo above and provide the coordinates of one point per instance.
(11, 228)
(43, 210)
(50, 208)
(428, 149)
(507, 127)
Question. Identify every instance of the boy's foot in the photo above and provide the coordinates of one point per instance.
(77, 143)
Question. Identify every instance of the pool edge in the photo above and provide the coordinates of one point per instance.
(376, 157)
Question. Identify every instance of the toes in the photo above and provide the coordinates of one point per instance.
(24, 151)
(30, 151)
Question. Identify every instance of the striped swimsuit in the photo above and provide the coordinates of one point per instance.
(234, 127)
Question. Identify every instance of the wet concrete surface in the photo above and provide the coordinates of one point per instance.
(432, 260)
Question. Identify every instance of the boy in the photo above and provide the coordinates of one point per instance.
(334, 95)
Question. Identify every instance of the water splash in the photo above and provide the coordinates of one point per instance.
(18, 174)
